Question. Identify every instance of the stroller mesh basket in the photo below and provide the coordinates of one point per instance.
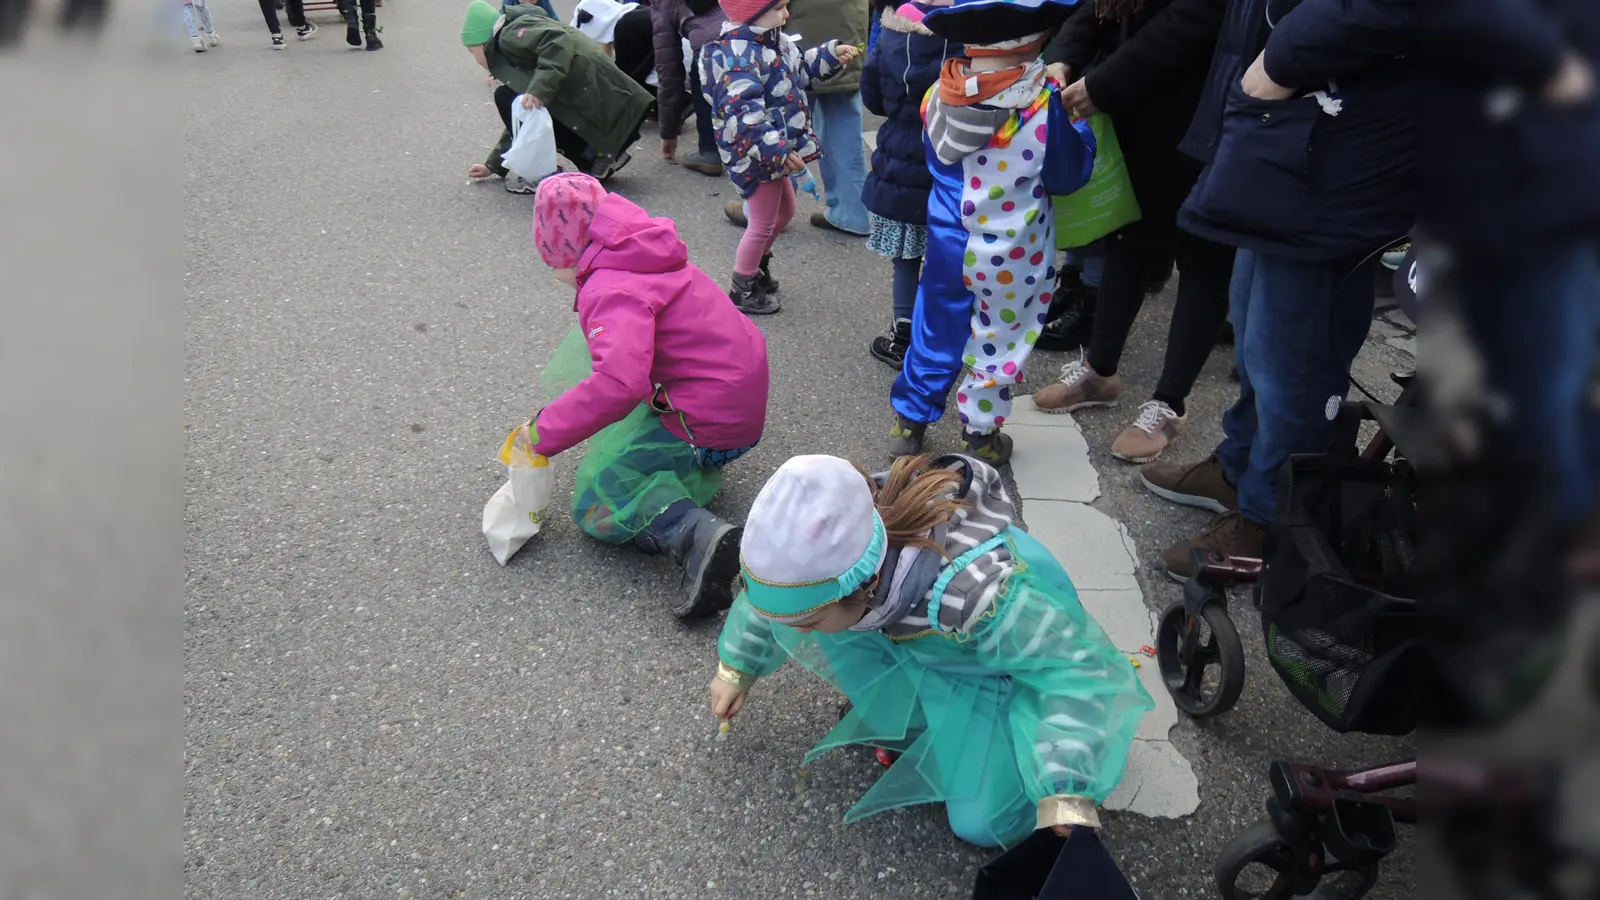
(1337, 594)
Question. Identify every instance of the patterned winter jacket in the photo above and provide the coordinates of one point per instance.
(755, 80)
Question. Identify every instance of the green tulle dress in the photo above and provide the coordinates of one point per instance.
(1029, 701)
(632, 470)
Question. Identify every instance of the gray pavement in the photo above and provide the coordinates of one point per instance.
(374, 709)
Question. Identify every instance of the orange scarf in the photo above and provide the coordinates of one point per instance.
(954, 78)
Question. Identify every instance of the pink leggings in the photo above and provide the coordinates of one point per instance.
(769, 209)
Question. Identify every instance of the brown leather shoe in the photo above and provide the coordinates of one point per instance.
(1230, 533)
(1200, 484)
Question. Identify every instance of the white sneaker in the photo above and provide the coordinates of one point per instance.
(213, 39)
(1392, 258)
(199, 44)
(516, 184)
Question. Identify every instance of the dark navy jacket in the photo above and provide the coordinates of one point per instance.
(1286, 178)
(1505, 173)
(904, 62)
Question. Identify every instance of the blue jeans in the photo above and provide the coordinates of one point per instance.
(546, 5)
(837, 119)
(1090, 261)
(1298, 327)
(1534, 322)
(705, 134)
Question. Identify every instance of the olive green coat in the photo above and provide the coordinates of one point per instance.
(574, 79)
(820, 21)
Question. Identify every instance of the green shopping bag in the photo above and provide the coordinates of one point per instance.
(1106, 202)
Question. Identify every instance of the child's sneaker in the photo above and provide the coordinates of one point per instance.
(213, 39)
(891, 346)
(905, 437)
(306, 32)
(749, 298)
(993, 448)
(198, 43)
(277, 42)
(1152, 431)
(516, 184)
(606, 166)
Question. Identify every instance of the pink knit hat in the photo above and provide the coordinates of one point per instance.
(563, 207)
(742, 11)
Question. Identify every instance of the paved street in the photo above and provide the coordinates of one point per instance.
(375, 709)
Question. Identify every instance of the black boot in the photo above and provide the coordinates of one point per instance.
(1225, 335)
(705, 547)
(891, 346)
(768, 283)
(369, 23)
(905, 437)
(352, 24)
(1074, 326)
(748, 295)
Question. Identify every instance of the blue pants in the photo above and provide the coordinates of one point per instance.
(1090, 261)
(1534, 321)
(837, 120)
(1298, 326)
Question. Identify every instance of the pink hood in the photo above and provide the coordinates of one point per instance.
(659, 330)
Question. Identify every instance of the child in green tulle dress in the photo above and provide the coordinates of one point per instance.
(957, 637)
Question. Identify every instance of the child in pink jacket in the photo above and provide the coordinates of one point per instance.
(677, 388)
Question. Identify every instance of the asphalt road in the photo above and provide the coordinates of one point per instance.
(374, 709)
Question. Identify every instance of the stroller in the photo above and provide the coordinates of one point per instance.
(1336, 591)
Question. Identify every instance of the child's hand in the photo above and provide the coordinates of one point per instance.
(846, 54)
(479, 170)
(793, 162)
(726, 700)
(1061, 73)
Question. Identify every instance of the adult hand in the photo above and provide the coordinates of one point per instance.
(793, 163)
(1061, 73)
(529, 101)
(726, 700)
(479, 170)
(1572, 84)
(1256, 83)
(1075, 97)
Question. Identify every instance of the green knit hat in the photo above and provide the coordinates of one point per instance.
(479, 24)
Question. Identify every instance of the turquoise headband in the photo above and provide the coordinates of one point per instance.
(793, 602)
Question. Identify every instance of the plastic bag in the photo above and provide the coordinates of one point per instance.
(516, 512)
(533, 142)
(806, 183)
(1106, 202)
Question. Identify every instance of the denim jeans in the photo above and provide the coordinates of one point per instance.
(705, 134)
(546, 5)
(1534, 322)
(843, 167)
(1298, 327)
(1090, 262)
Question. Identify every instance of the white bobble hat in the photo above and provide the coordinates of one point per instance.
(813, 537)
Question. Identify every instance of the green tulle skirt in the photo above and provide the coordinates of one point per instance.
(632, 470)
(1034, 701)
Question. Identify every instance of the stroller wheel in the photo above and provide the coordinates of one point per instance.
(1204, 675)
(1258, 864)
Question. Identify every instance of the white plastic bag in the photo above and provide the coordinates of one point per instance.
(516, 511)
(533, 142)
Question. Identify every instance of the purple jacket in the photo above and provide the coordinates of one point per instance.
(659, 330)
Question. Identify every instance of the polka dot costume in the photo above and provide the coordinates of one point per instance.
(1009, 266)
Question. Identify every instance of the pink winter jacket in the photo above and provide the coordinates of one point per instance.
(659, 330)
